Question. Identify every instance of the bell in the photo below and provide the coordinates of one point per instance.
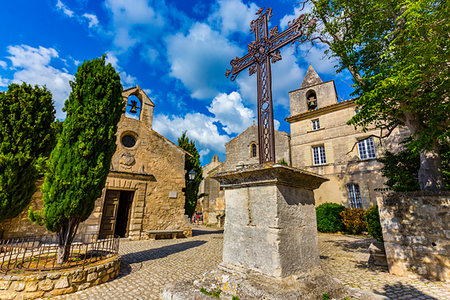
(134, 107)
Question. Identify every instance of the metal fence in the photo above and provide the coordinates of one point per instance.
(39, 253)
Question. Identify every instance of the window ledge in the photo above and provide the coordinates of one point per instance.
(321, 165)
(367, 159)
(309, 131)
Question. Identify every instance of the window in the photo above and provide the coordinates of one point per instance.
(253, 151)
(319, 155)
(366, 149)
(311, 100)
(354, 196)
(128, 141)
(315, 124)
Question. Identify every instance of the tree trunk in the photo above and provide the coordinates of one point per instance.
(65, 239)
(430, 172)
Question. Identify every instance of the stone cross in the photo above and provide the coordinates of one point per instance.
(263, 50)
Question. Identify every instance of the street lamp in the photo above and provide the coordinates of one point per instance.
(191, 175)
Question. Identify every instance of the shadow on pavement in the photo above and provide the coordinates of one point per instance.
(402, 291)
(197, 232)
(151, 254)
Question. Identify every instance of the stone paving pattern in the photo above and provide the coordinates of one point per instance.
(147, 266)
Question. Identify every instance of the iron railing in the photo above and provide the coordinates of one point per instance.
(39, 253)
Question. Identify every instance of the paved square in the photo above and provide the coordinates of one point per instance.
(147, 266)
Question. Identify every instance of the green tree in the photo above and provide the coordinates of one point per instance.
(80, 162)
(192, 163)
(402, 168)
(26, 139)
(397, 52)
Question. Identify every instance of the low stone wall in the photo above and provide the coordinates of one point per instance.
(416, 233)
(58, 282)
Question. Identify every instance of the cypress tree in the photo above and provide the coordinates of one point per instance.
(192, 163)
(26, 139)
(80, 162)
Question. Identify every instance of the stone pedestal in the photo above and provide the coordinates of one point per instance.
(270, 246)
(270, 224)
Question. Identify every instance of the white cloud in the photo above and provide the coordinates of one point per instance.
(233, 16)
(127, 79)
(4, 82)
(3, 64)
(299, 10)
(200, 128)
(92, 20)
(199, 59)
(286, 76)
(315, 56)
(231, 112)
(32, 65)
(65, 10)
(134, 21)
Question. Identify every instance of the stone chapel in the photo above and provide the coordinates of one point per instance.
(144, 188)
(320, 142)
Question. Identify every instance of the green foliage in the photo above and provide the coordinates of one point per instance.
(80, 162)
(373, 223)
(402, 169)
(397, 52)
(353, 220)
(192, 163)
(283, 162)
(326, 296)
(235, 298)
(329, 218)
(215, 294)
(26, 139)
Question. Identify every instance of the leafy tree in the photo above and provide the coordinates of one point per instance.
(80, 162)
(402, 169)
(26, 139)
(192, 163)
(397, 52)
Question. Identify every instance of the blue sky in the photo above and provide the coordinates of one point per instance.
(177, 51)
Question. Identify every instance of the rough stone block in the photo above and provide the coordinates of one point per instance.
(46, 285)
(62, 283)
(62, 291)
(31, 286)
(4, 284)
(92, 276)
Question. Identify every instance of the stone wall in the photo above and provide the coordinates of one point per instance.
(416, 233)
(60, 282)
(238, 150)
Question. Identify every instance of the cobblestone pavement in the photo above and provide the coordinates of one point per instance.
(345, 258)
(147, 266)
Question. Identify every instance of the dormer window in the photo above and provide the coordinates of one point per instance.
(311, 100)
(133, 109)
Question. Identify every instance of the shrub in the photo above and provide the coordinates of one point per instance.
(328, 217)
(373, 223)
(353, 220)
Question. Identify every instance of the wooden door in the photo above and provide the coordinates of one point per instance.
(109, 215)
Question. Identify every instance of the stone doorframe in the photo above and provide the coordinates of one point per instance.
(137, 183)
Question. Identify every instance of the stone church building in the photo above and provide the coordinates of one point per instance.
(144, 188)
(321, 142)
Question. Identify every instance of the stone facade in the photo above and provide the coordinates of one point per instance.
(144, 189)
(318, 122)
(60, 282)
(240, 151)
(416, 233)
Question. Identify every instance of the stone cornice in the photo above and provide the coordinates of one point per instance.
(320, 111)
(126, 175)
(269, 174)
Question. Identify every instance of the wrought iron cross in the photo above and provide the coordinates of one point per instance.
(263, 50)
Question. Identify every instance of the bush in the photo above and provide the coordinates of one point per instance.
(373, 223)
(328, 217)
(353, 220)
